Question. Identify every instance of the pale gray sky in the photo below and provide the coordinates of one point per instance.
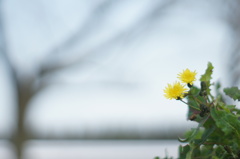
(121, 87)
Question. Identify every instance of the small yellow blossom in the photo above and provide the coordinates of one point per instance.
(187, 76)
(175, 91)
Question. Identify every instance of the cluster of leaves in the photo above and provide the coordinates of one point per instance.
(217, 135)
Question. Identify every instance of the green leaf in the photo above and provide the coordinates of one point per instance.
(233, 92)
(193, 106)
(230, 107)
(205, 135)
(183, 151)
(189, 155)
(227, 122)
(207, 76)
(227, 108)
(195, 132)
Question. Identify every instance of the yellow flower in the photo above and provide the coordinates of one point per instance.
(175, 91)
(187, 76)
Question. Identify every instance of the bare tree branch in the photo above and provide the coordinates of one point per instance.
(233, 21)
(126, 35)
(23, 92)
(24, 85)
(98, 14)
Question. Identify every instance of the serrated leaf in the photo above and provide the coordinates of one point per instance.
(207, 76)
(233, 92)
(227, 122)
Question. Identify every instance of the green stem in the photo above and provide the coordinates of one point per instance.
(189, 105)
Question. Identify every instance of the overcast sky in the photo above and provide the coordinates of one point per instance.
(120, 86)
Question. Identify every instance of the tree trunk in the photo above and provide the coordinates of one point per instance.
(24, 94)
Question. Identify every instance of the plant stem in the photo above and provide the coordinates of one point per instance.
(189, 105)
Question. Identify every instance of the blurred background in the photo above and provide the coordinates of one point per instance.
(85, 79)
